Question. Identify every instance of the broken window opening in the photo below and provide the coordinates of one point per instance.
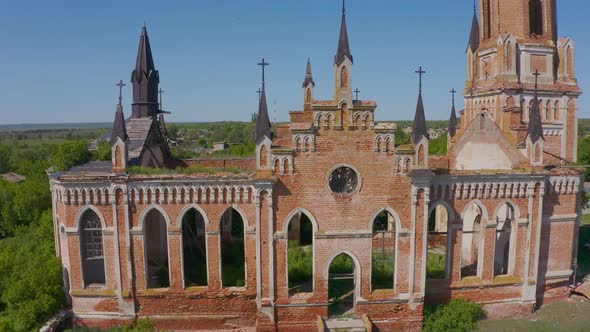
(436, 261)
(156, 250)
(502, 255)
(194, 249)
(470, 242)
(383, 254)
(93, 269)
(300, 254)
(233, 269)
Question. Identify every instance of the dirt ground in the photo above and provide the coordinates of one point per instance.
(570, 315)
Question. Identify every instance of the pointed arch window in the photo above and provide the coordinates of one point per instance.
(156, 250)
(344, 77)
(300, 254)
(470, 241)
(536, 17)
(92, 249)
(383, 254)
(436, 261)
(194, 249)
(233, 260)
(504, 241)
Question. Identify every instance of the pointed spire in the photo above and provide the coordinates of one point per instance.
(343, 45)
(308, 76)
(535, 130)
(263, 127)
(419, 128)
(145, 79)
(119, 127)
(453, 119)
(474, 35)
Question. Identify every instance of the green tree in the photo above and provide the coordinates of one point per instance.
(5, 152)
(31, 279)
(70, 153)
(438, 146)
(103, 150)
(584, 154)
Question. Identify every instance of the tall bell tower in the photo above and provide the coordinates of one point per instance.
(508, 44)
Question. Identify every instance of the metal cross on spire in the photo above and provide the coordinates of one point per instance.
(343, 7)
(263, 64)
(121, 85)
(160, 92)
(453, 91)
(420, 72)
(357, 94)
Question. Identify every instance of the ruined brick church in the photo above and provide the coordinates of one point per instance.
(333, 216)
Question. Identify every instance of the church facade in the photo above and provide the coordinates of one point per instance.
(333, 216)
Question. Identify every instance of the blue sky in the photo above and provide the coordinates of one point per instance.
(61, 60)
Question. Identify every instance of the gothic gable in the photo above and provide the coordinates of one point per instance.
(483, 146)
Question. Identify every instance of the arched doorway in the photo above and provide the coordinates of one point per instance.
(156, 250)
(341, 286)
(194, 249)
(233, 268)
(300, 254)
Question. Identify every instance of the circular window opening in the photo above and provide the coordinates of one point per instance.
(343, 180)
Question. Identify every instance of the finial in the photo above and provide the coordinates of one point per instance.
(121, 85)
(474, 7)
(420, 72)
(356, 91)
(343, 7)
(160, 92)
(453, 91)
(263, 64)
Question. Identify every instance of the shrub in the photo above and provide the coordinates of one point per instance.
(70, 154)
(458, 315)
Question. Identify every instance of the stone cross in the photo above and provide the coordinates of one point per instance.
(357, 94)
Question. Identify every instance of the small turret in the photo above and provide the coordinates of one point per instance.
(119, 139)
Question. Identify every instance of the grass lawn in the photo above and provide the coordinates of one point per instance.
(568, 315)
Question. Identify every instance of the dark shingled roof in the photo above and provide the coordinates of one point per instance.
(535, 130)
(453, 122)
(308, 76)
(343, 46)
(119, 128)
(474, 36)
(263, 128)
(419, 127)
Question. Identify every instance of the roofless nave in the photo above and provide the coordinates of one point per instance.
(381, 228)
